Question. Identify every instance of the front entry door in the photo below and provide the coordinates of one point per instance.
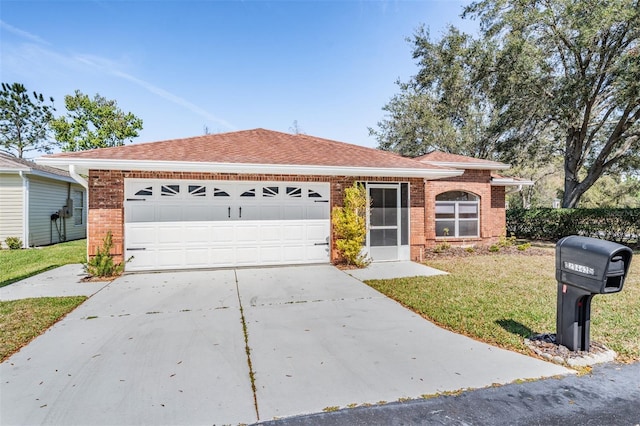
(386, 219)
(383, 222)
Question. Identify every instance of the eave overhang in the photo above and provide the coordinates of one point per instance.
(468, 166)
(510, 182)
(83, 165)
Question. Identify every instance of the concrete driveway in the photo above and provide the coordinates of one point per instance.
(170, 348)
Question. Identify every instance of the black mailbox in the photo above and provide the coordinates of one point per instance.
(584, 267)
(597, 266)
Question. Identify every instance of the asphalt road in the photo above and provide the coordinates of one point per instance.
(608, 396)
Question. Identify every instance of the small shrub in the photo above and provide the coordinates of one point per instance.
(470, 249)
(350, 225)
(494, 248)
(505, 241)
(14, 243)
(524, 246)
(102, 265)
(442, 247)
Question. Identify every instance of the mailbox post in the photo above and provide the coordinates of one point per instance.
(585, 267)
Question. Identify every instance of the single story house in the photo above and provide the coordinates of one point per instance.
(260, 197)
(40, 205)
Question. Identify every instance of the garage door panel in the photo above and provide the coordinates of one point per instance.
(270, 213)
(171, 234)
(246, 232)
(317, 232)
(317, 253)
(270, 254)
(196, 234)
(141, 260)
(293, 232)
(221, 233)
(197, 213)
(291, 253)
(197, 257)
(141, 235)
(318, 212)
(281, 223)
(222, 256)
(270, 234)
(247, 255)
(294, 213)
(168, 213)
(171, 258)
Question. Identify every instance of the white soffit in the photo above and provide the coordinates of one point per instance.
(505, 181)
(84, 165)
(469, 166)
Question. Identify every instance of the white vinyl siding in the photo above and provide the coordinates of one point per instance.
(45, 198)
(11, 207)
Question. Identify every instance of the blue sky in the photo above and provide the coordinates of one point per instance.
(183, 65)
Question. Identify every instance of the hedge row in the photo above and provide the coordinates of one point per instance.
(618, 225)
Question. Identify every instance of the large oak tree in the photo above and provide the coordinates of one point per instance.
(547, 77)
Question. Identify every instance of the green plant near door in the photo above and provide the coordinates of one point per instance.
(350, 225)
(102, 264)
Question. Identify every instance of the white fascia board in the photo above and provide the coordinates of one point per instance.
(84, 165)
(14, 170)
(469, 166)
(52, 176)
(510, 182)
(34, 172)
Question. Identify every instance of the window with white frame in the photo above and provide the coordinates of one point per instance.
(457, 214)
(78, 208)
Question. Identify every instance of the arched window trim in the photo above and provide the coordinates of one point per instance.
(460, 217)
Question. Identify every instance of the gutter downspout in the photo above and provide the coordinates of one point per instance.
(25, 210)
(82, 181)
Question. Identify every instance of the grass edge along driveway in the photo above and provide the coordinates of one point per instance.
(500, 299)
(23, 320)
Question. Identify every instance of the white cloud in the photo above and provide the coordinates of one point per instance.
(46, 59)
(21, 33)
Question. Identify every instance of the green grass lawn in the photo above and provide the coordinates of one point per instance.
(23, 320)
(500, 299)
(16, 265)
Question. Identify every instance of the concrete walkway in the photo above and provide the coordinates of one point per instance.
(62, 281)
(169, 348)
(389, 270)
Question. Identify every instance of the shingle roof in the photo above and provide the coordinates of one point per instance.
(442, 158)
(10, 163)
(258, 146)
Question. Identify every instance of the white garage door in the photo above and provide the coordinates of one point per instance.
(201, 224)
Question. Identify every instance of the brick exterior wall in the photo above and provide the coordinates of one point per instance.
(492, 206)
(106, 201)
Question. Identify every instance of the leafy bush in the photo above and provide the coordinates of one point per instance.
(14, 243)
(442, 247)
(618, 225)
(102, 265)
(350, 225)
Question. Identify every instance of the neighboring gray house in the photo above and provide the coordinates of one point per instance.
(40, 205)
